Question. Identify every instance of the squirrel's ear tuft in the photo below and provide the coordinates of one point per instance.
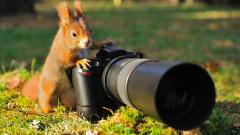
(78, 9)
(64, 13)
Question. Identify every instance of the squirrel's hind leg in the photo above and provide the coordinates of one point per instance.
(68, 99)
(47, 99)
(67, 94)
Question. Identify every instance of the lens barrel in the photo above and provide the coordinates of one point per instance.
(180, 94)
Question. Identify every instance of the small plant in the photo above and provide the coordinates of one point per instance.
(24, 74)
(3, 86)
(33, 66)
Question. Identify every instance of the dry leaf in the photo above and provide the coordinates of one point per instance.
(213, 65)
(195, 131)
(14, 82)
(11, 105)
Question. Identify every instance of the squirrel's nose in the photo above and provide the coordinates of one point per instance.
(83, 43)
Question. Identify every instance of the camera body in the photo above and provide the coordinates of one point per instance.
(92, 99)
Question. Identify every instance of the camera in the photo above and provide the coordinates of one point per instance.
(180, 94)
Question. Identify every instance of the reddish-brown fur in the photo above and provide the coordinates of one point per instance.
(53, 83)
(30, 89)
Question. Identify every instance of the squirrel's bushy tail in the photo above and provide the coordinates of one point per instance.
(30, 88)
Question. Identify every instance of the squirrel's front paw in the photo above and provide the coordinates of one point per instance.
(83, 64)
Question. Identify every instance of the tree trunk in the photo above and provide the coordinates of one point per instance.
(12, 7)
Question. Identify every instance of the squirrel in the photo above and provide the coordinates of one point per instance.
(73, 34)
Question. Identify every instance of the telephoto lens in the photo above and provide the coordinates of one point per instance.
(180, 94)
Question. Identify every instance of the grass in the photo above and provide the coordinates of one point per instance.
(204, 35)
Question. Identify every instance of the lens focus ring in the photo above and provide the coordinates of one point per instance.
(123, 79)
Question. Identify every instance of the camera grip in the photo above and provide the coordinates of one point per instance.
(85, 95)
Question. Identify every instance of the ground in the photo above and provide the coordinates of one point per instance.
(203, 35)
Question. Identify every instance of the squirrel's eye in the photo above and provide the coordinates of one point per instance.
(74, 34)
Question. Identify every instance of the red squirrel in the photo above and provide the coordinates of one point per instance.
(52, 84)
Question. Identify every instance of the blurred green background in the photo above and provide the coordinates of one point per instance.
(206, 32)
(162, 29)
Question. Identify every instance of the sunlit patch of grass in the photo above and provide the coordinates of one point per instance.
(131, 121)
(201, 15)
(227, 82)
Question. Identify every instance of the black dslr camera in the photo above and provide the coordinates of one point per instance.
(180, 94)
